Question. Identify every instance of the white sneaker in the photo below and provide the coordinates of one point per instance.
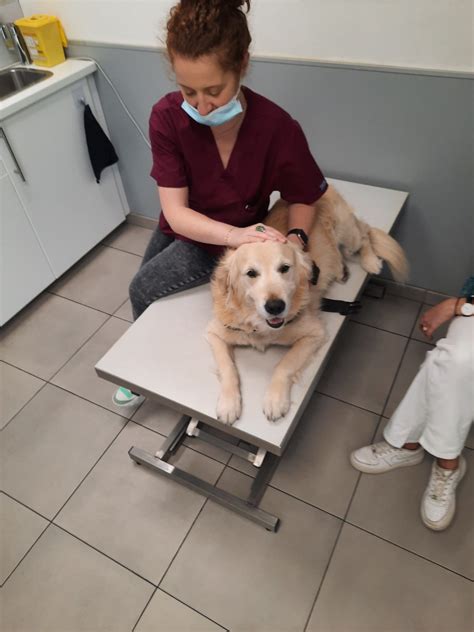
(439, 500)
(383, 457)
(124, 397)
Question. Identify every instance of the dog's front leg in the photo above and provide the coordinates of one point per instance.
(277, 397)
(229, 403)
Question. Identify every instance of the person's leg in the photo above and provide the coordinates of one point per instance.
(159, 241)
(177, 267)
(435, 412)
(168, 266)
(451, 392)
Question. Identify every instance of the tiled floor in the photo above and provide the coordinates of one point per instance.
(91, 542)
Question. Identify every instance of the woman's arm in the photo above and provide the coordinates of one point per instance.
(300, 216)
(196, 226)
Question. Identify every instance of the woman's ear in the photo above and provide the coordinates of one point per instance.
(245, 65)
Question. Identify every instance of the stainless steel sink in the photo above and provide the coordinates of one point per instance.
(13, 80)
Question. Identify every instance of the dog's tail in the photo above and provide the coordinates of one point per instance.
(386, 248)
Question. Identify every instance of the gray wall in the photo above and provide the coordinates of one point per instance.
(9, 11)
(394, 129)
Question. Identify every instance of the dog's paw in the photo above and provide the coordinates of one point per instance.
(344, 274)
(229, 408)
(276, 402)
(372, 264)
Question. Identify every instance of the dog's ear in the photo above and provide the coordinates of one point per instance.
(305, 266)
(223, 280)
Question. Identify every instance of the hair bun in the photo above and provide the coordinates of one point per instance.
(216, 5)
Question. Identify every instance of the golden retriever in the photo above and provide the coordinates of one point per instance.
(262, 295)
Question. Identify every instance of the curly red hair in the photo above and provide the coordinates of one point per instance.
(206, 27)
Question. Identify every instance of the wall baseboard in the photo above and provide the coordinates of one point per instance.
(142, 220)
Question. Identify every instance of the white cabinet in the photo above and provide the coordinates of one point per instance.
(24, 268)
(67, 211)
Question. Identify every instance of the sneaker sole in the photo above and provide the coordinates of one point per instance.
(367, 469)
(443, 524)
(130, 402)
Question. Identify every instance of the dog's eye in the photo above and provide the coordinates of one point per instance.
(284, 268)
(252, 273)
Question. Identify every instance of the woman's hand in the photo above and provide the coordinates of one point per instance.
(252, 234)
(437, 316)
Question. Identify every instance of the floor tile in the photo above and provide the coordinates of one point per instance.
(389, 506)
(16, 388)
(46, 334)
(315, 467)
(64, 585)
(405, 291)
(51, 445)
(391, 313)
(416, 334)
(125, 311)
(20, 528)
(133, 514)
(130, 237)
(362, 367)
(373, 586)
(163, 419)
(412, 360)
(166, 614)
(100, 280)
(79, 377)
(254, 579)
(432, 298)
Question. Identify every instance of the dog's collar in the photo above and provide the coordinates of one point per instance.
(287, 322)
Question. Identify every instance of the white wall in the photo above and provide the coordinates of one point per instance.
(428, 34)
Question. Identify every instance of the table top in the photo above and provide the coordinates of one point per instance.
(164, 354)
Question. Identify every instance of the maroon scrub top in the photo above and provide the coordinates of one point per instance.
(270, 154)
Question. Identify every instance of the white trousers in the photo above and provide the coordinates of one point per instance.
(438, 408)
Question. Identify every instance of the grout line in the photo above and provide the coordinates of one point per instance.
(206, 500)
(129, 252)
(28, 551)
(24, 405)
(130, 570)
(323, 576)
(282, 491)
(188, 606)
(87, 474)
(399, 546)
(343, 401)
(71, 300)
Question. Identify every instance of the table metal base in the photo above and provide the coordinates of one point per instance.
(247, 507)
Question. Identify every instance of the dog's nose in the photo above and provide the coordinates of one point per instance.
(275, 306)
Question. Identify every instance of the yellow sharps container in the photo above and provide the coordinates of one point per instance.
(45, 39)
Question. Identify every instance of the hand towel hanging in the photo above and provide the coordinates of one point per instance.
(101, 151)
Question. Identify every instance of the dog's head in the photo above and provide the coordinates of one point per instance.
(261, 285)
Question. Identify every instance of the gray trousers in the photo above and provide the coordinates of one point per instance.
(168, 266)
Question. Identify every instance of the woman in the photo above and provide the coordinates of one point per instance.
(436, 413)
(219, 151)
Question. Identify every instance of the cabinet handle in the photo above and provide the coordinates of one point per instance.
(9, 147)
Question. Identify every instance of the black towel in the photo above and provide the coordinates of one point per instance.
(101, 151)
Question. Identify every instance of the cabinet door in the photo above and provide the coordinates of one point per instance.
(71, 213)
(24, 269)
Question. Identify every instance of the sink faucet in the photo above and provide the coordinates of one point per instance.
(13, 39)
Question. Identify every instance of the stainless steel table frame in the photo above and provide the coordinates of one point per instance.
(164, 356)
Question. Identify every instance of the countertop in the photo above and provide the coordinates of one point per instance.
(64, 74)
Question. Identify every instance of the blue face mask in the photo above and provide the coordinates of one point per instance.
(218, 116)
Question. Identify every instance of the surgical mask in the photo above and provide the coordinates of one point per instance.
(218, 116)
